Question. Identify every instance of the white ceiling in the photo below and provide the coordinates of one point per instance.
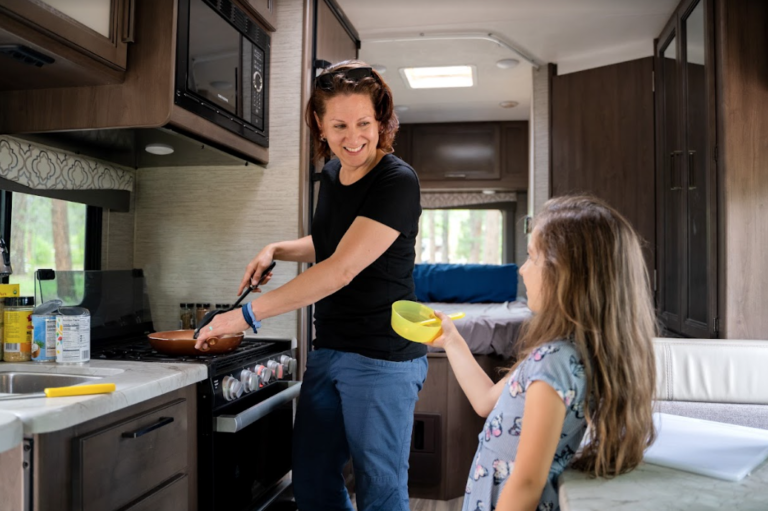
(574, 34)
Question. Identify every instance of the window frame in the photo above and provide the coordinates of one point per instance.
(93, 230)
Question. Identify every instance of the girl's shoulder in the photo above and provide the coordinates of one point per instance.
(557, 349)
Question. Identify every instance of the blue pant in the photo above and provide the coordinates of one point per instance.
(351, 404)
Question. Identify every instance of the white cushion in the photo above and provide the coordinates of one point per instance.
(712, 370)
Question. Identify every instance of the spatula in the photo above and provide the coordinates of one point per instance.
(76, 390)
(210, 315)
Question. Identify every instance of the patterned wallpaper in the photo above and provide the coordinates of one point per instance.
(43, 168)
(454, 199)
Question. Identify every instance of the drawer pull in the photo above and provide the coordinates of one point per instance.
(162, 421)
(455, 175)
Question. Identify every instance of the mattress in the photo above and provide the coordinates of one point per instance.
(488, 328)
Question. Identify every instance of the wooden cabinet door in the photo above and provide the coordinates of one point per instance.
(172, 496)
(456, 152)
(669, 187)
(697, 84)
(514, 155)
(402, 145)
(101, 29)
(266, 12)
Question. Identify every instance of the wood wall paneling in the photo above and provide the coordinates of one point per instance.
(742, 91)
(335, 45)
(602, 140)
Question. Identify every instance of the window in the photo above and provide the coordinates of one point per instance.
(45, 233)
(461, 236)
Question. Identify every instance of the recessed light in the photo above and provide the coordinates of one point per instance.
(159, 149)
(401, 108)
(439, 77)
(489, 192)
(507, 63)
(379, 68)
(508, 104)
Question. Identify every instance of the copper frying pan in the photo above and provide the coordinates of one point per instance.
(182, 342)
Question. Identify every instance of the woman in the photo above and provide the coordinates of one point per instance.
(362, 380)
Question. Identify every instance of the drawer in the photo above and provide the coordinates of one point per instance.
(173, 496)
(122, 462)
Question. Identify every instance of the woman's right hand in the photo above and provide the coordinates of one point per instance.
(449, 335)
(256, 267)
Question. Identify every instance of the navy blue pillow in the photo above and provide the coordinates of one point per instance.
(465, 283)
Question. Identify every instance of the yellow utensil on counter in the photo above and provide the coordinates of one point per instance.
(75, 390)
(434, 321)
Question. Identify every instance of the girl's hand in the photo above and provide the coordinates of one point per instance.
(231, 322)
(256, 267)
(449, 336)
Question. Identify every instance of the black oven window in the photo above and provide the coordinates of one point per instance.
(214, 71)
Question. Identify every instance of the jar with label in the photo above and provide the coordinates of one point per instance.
(73, 335)
(202, 309)
(185, 316)
(17, 329)
(44, 331)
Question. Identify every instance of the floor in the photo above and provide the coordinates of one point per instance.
(415, 505)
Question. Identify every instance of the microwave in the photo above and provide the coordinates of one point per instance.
(222, 67)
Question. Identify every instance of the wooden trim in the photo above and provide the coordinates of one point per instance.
(216, 135)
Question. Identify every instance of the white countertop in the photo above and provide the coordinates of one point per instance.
(135, 381)
(11, 431)
(654, 488)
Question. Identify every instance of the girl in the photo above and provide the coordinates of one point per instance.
(586, 360)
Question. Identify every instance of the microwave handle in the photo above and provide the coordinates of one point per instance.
(235, 423)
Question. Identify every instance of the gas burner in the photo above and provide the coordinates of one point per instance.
(140, 350)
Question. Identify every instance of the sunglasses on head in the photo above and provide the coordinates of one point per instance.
(355, 74)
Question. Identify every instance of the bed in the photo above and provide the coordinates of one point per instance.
(488, 296)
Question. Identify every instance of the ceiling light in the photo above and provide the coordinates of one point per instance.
(379, 68)
(159, 149)
(401, 108)
(489, 192)
(507, 63)
(508, 104)
(439, 77)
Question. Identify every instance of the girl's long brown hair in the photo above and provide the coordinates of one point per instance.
(595, 290)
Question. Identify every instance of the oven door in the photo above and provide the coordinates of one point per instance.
(252, 448)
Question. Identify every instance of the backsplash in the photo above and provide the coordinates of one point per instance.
(43, 168)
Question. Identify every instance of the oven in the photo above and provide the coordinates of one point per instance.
(222, 67)
(245, 432)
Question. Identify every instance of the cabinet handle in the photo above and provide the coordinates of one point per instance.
(162, 421)
(691, 171)
(674, 174)
(129, 9)
(455, 175)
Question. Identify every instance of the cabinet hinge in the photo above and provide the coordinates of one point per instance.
(653, 81)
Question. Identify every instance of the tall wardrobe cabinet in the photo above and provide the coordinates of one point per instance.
(686, 167)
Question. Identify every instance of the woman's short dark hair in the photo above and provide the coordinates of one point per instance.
(373, 85)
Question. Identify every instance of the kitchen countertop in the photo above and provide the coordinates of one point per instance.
(10, 431)
(653, 488)
(135, 381)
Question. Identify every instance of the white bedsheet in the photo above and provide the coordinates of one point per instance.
(489, 328)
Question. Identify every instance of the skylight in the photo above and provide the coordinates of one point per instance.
(438, 77)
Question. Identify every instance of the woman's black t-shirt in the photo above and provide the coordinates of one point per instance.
(357, 317)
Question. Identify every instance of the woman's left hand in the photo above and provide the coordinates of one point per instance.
(231, 322)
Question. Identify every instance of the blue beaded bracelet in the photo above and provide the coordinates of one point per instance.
(250, 318)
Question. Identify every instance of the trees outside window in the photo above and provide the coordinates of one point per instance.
(460, 236)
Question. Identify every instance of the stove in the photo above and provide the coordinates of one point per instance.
(244, 407)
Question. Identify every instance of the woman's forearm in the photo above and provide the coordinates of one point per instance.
(301, 250)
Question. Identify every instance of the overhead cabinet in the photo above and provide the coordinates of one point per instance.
(63, 43)
(686, 163)
(471, 155)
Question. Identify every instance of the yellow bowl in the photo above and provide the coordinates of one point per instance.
(406, 315)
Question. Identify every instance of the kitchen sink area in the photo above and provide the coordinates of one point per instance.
(28, 382)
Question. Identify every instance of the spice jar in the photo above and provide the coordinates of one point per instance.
(202, 310)
(185, 316)
(17, 329)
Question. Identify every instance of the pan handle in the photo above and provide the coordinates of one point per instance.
(235, 423)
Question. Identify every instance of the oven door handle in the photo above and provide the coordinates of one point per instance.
(235, 423)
